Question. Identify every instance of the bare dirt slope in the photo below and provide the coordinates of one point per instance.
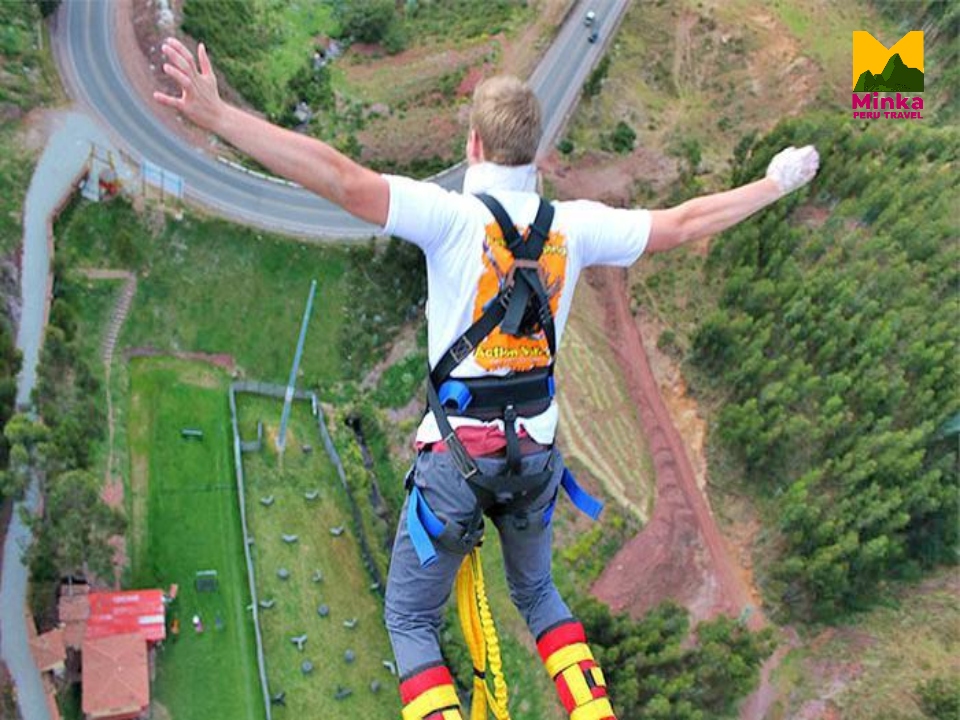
(680, 554)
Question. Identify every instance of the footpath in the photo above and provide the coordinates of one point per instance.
(60, 168)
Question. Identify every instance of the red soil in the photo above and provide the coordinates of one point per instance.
(680, 554)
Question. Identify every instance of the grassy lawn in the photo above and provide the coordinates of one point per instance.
(297, 24)
(344, 585)
(185, 518)
(94, 301)
(210, 286)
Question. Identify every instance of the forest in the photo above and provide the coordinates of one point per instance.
(834, 345)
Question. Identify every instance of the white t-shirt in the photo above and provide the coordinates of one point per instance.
(464, 264)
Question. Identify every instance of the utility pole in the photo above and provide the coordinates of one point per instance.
(292, 382)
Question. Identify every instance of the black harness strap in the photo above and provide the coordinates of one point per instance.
(529, 252)
(524, 486)
(524, 277)
(521, 291)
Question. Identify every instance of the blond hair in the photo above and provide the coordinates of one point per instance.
(506, 115)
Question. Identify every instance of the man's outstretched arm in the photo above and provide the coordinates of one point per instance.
(304, 160)
(710, 214)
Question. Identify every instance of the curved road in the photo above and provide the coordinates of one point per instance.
(92, 73)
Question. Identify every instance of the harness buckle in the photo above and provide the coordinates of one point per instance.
(465, 464)
(461, 350)
(506, 293)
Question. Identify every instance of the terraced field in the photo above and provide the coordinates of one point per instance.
(600, 429)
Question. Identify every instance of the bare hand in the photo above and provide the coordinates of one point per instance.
(199, 98)
(793, 168)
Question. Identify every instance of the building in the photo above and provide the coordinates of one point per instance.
(74, 609)
(49, 652)
(49, 655)
(122, 613)
(115, 632)
(116, 678)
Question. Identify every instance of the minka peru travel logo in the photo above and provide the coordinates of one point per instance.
(897, 71)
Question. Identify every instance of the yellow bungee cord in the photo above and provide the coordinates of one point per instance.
(481, 636)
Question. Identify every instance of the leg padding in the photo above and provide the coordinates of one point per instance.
(430, 695)
(579, 680)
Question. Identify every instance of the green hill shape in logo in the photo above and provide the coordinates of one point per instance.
(896, 77)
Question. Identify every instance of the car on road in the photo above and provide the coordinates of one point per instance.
(589, 18)
(593, 36)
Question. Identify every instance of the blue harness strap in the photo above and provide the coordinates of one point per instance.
(585, 502)
(422, 525)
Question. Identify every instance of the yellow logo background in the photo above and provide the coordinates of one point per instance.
(870, 54)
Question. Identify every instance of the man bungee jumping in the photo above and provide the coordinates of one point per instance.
(502, 264)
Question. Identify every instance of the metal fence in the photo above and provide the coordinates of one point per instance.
(274, 390)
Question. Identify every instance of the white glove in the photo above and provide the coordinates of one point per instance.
(793, 168)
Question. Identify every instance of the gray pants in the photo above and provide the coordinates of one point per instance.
(416, 596)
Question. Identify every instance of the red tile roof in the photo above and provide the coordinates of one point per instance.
(49, 651)
(116, 680)
(119, 613)
(74, 609)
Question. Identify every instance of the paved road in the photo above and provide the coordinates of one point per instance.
(92, 72)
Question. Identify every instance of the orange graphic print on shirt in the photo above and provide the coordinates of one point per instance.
(499, 351)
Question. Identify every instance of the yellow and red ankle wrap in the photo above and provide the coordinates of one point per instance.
(430, 695)
(579, 680)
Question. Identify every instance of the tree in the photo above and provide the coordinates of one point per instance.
(653, 671)
(77, 525)
(367, 21)
(47, 7)
(16, 478)
(24, 430)
(23, 435)
(9, 368)
(594, 83)
(940, 698)
(835, 363)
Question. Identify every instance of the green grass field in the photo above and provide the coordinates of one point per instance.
(210, 286)
(345, 584)
(93, 301)
(185, 518)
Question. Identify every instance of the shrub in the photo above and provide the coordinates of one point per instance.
(594, 83)
(623, 138)
(367, 21)
(940, 698)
